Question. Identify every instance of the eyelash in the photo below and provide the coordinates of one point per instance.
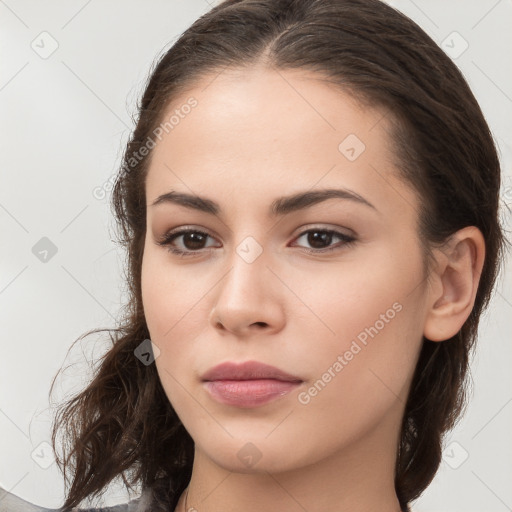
(168, 238)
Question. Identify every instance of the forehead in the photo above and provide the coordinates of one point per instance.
(261, 129)
(274, 104)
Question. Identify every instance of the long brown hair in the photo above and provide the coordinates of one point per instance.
(122, 423)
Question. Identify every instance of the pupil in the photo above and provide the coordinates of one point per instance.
(319, 239)
(193, 240)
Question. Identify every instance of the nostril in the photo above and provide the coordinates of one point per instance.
(260, 324)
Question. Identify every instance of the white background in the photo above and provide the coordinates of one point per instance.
(64, 120)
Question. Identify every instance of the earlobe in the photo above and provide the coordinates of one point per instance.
(456, 279)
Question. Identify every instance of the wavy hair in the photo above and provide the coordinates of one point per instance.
(122, 423)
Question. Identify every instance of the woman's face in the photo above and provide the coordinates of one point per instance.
(265, 279)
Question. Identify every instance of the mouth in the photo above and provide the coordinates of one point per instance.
(249, 384)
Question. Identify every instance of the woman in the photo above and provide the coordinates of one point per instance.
(310, 207)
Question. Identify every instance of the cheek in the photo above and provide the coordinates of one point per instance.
(368, 329)
(169, 297)
(176, 309)
(359, 379)
(170, 303)
(156, 295)
(358, 295)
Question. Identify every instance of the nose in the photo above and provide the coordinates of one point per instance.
(249, 300)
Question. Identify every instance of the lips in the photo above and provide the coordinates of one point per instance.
(249, 370)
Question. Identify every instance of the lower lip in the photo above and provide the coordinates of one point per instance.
(249, 393)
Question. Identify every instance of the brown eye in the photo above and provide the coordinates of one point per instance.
(321, 240)
(186, 242)
(194, 240)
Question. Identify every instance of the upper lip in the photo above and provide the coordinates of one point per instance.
(247, 370)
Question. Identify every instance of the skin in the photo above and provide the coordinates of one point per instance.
(257, 134)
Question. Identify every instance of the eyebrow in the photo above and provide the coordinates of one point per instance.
(280, 206)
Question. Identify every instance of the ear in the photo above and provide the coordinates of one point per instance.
(454, 283)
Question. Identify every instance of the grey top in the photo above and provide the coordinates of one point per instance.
(11, 503)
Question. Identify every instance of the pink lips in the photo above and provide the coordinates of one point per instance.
(248, 384)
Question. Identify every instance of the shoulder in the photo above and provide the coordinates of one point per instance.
(11, 503)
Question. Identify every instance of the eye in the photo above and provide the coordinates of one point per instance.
(185, 241)
(320, 240)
